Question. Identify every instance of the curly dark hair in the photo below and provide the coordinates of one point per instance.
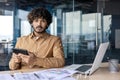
(40, 13)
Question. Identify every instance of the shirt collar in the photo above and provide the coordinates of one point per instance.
(42, 35)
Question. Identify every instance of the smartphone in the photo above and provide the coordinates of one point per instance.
(22, 51)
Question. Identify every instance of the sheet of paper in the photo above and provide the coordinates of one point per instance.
(56, 74)
(41, 76)
(25, 76)
(6, 77)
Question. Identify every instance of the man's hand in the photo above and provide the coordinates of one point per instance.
(16, 58)
(28, 59)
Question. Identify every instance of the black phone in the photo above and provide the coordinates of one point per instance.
(22, 51)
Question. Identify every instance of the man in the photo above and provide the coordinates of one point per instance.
(44, 50)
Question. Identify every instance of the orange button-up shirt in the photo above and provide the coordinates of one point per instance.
(47, 48)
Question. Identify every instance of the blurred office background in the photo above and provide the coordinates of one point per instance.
(81, 24)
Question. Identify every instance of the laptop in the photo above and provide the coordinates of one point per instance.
(89, 69)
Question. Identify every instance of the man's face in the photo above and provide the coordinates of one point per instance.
(39, 25)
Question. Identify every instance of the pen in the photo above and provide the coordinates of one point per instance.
(36, 75)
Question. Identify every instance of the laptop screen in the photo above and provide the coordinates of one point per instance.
(99, 56)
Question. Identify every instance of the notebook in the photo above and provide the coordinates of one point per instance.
(89, 69)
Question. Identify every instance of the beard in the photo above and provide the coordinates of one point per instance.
(39, 29)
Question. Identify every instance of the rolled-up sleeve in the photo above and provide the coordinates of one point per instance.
(12, 64)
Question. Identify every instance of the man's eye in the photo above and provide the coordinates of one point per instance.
(44, 20)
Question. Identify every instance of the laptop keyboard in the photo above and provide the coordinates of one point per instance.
(84, 68)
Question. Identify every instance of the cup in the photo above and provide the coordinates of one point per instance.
(114, 65)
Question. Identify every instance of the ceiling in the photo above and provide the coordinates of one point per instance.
(6, 4)
(25, 4)
(87, 6)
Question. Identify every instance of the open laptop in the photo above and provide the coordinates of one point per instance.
(89, 69)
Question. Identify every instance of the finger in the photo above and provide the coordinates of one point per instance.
(31, 54)
(17, 59)
(21, 55)
(24, 56)
(14, 54)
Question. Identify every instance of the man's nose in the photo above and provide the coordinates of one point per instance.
(39, 23)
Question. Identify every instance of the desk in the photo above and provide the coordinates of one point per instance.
(101, 74)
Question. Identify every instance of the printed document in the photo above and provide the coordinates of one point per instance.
(6, 77)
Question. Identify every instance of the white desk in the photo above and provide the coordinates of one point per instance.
(101, 74)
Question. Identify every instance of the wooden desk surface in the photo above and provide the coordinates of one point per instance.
(102, 73)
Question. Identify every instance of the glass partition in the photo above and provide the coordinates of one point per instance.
(25, 28)
(82, 27)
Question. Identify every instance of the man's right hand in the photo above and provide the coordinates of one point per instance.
(16, 58)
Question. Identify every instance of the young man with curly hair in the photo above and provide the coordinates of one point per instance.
(45, 50)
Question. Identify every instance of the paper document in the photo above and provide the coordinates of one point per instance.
(56, 74)
(25, 76)
(6, 77)
(48, 74)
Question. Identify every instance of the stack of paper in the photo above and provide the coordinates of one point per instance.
(48, 74)
(56, 74)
